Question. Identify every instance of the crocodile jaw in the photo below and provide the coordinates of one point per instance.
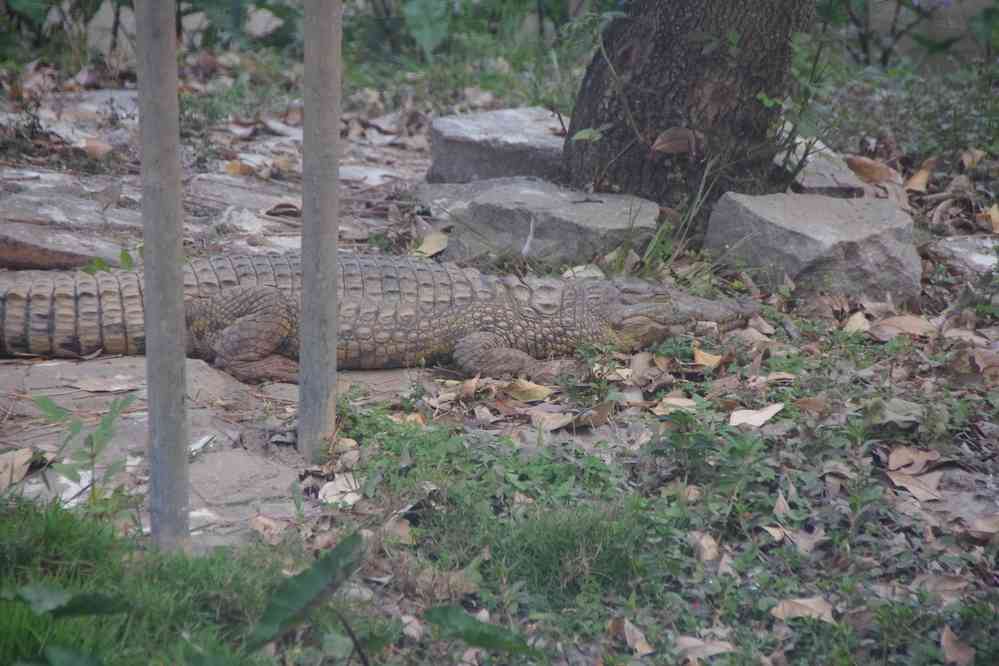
(640, 325)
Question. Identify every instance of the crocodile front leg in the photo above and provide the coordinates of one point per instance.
(488, 354)
(248, 331)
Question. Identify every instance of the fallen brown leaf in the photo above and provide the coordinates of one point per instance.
(913, 460)
(888, 329)
(433, 244)
(816, 406)
(857, 323)
(622, 629)
(13, 466)
(813, 607)
(671, 404)
(971, 157)
(754, 417)
(705, 545)
(692, 648)
(870, 170)
(706, 359)
(923, 488)
(918, 181)
(525, 391)
(955, 651)
(990, 216)
(984, 527)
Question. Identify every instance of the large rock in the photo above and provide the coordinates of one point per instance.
(824, 172)
(536, 219)
(494, 144)
(967, 257)
(825, 245)
(24, 246)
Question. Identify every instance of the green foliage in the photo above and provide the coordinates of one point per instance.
(428, 21)
(454, 622)
(85, 457)
(870, 43)
(290, 602)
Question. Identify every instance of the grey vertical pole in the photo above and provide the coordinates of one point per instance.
(163, 282)
(320, 204)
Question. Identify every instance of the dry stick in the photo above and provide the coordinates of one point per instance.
(357, 644)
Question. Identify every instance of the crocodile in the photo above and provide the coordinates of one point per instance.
(242, 314)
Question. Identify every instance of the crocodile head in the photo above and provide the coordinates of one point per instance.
(635, 314)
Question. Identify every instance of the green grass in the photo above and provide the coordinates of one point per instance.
(179, 604)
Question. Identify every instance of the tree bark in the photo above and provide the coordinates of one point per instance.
(695, 68)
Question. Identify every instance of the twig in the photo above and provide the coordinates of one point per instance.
(620, 90)
(357, 644)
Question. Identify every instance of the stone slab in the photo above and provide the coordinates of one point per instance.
(494, 144)
(537, 219)
(825, 245)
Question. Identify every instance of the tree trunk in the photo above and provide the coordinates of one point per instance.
(705, 72)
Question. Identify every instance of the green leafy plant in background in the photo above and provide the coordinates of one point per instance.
(428, 21)
(59, 604)
(85, 457)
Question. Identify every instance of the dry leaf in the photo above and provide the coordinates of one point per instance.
(671, 404)
(96, 150)
(705, 545)
(344, 489)
(984, 527)
(971, 157)
(816, 406)
(915, 461)
(919, 180)
(549, 421)
(483, 415)
(622, 629)
(781, 507)
(694, 648)
(923, 488)
(990, 217)
(888, 329)
(238, 168)
(813, 607)
(13, 466)
(754, 417)
(807, 541)
(433, 244)
(706, 359)
(401, 530)
(950, 589)
(678, 140)
(780, 377)
(596, 417)
(776, 531)
(857, 323)
(726, 566)
(414, 418)
(525, 391)
(872, 171)
(955, 652)
(837, 467)
(269, 529)
(285, 209)
(412, 628)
